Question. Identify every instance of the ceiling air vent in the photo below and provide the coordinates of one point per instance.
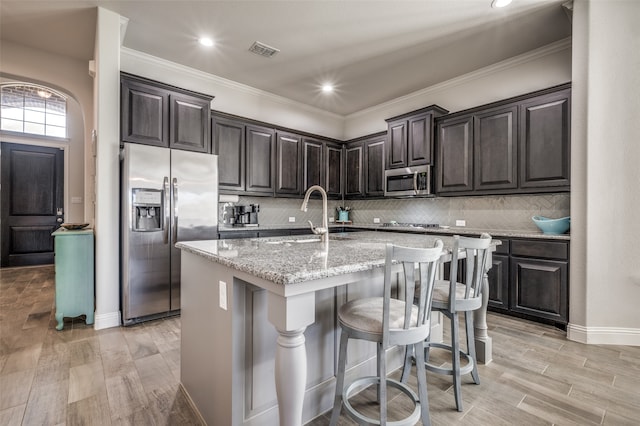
(263, 50)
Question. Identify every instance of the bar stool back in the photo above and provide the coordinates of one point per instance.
(389, 322)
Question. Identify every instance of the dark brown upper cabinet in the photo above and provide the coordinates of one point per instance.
(322, 165)
(545, 140)
(354, 170)
(246, 156)
(261, 156)
(144, 113)
(288, 164)
(365, 159)
(154, 113)
(520, 145)
(478, 151)
(374, 156)
(313, 164)
(454, 167)
(229, 144)
(189, 123)
(334, 170)
(410, 138)
(495, 149)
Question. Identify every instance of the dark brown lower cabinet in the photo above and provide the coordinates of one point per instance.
(499, 283)
(530, 279)
(539, 288)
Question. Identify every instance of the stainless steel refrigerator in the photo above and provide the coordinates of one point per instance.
(167, 196)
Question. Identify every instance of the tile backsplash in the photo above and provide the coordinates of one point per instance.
(505, 212)
(277, 211)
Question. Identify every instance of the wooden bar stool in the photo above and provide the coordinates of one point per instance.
(390, 322)
(451, 297)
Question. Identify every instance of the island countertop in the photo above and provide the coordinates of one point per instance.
(230, 289)
(438, 230)
(297, 259)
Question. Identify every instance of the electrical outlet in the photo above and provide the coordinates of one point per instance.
(292, 219)
(460, 222)
(332, 219)
(223, 295)
(376, 220)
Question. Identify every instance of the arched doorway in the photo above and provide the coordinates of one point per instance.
(34, 136)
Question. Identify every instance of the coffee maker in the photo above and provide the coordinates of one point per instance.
(246, 215)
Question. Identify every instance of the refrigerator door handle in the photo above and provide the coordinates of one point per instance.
(165, 222)
(174, 218)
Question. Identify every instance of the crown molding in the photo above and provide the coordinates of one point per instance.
(220, 81)
(124, 23)
(532, 55)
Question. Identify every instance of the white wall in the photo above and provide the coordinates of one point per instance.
(606, 130)
(70, 77)
(235, 98)
(535, 70)
(107, 113)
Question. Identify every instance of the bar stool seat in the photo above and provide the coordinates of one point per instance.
(390, 322)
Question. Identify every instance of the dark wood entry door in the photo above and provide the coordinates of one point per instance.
(32, 203)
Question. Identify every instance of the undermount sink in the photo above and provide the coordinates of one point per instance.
(303, 240)
(306, 240)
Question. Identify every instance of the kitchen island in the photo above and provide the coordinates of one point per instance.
(255, 309)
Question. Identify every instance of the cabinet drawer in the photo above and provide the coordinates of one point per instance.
(273, 233)
(540, 249)
(502, 248)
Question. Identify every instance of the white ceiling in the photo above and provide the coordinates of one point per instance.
(372, 51)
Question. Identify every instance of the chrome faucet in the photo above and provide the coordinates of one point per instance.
(324, 230)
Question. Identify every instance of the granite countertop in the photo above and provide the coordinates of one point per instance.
(439, 230)
(296, 259)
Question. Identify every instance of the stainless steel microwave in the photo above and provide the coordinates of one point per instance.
(407, 181)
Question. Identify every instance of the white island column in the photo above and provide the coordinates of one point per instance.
(484, 350)
(291, 316)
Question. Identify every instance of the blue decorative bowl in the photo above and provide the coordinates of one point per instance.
(552, 226)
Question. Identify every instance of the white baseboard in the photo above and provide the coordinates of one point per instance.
(108, 320)
(191, 403)
(604, 335)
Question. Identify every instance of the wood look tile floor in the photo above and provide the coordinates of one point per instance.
(130, 376)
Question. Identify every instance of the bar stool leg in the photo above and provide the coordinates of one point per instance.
(422, 383)
(455, 359)
(471, 345)
(406, 369)
(342, 361)
(382, 388)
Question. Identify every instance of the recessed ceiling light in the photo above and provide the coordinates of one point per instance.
(205, 41)
(500, 3)
(327, 88)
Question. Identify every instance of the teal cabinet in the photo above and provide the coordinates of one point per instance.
(74, 275)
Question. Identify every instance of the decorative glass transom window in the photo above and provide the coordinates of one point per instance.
(29, 108)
